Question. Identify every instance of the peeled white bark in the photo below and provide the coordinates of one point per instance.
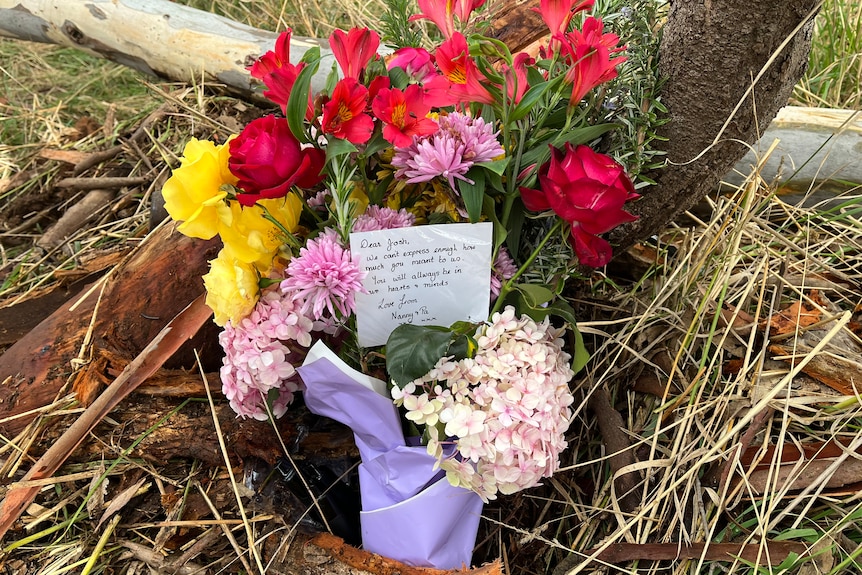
(157, 37)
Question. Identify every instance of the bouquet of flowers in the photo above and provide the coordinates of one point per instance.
(395, 246)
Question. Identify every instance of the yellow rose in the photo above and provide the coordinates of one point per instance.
(252, 239)
(232, 288)
(192, 193)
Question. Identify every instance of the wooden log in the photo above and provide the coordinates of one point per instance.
(156, 37)
(139, 298)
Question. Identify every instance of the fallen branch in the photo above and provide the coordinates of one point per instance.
(101, 183)
(619, 449)
(772, 551)
(157, 37)
(137, 303)
(163, 346)
(75, 217)
(325, 548)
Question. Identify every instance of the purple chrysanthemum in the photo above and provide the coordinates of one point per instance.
(450, 152)
(377, 218)
(502, 269)
(324, 276)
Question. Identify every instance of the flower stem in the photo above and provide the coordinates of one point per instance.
(510, 283)
(289, 238)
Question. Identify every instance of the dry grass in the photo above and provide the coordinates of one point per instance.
(695, 333)
(678, 345)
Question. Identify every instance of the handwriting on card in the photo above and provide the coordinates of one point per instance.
(426, 275)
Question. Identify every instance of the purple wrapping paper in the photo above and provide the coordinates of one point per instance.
(410, 512)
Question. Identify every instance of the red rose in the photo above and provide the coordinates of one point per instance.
(267, 160)
(588, 190)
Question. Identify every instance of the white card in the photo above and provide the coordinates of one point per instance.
(424, 275)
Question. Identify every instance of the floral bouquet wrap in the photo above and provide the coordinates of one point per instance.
(395, 246)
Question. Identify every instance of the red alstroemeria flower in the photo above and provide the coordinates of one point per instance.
(516, 77)
(442, 13)
(404, 115)
(354, 50)
(587, 190)
(377, 84)
(453, 59)
(557, 14)
(344, 115)
(278, 74)
(588, 52)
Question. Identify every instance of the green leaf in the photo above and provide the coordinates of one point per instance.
(802, 533)
(332, 78)
(580, 355)
(337, 147)
(496, 166)
(530, 99)
(490, 213)
(583, 135)
(474, 193)
(412, 350)
(297, 104)
(535, 295)
(375, 144)
(398, 78)
(515, 226)
(462, 347)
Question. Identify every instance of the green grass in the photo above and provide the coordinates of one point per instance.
(834, 76)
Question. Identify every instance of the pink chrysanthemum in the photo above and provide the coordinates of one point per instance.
(318, 200)
(257, 358)
(477, 135)
(377, 218)
(324, 276)
(502, 270)
(450, 152)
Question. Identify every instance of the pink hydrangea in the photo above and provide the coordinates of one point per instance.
(377, 218)
(506, 409)
(258, 358)
(450, 152)
(324, 276)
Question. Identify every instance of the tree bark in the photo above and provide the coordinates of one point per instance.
(712, 53)
(156, 37)
(140, 298)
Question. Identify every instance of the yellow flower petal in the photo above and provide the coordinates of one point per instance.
(193, 192)
(232, 288)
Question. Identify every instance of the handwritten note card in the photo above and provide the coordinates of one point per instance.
(424, 275)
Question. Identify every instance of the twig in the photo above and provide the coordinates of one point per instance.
(75, 217)
(617, 444)
(99, 157)
(180, 329)
(100, 183)
(776, 551)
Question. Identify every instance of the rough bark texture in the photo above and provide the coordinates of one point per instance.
(140, 298)
(156, 37)
(711, 52)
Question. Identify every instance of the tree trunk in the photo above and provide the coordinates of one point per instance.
(712, 52)
(156, 37)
